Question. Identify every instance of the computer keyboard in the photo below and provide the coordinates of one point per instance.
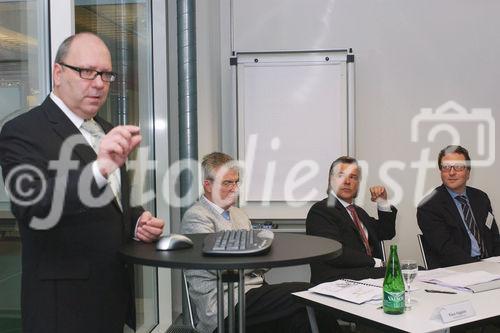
(238, 242)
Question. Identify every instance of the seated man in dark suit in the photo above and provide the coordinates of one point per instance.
(457, 220)
(337, 217)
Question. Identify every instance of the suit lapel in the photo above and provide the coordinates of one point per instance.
(366, 224)
(479, 211)
(104, 124)
(451, 207)
(65, 129)
(475, 205)
(339, 209)
(337, 206)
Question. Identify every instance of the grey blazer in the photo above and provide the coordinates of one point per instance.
(203, 218)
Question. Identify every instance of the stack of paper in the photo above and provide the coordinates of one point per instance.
(492, 259)
(350, 290)
(475, 281)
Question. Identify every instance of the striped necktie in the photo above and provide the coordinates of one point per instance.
(470, 221)
(96, 134)
(359, 226)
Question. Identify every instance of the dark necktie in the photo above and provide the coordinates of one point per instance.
(225, 214)
(359, 226)
(470, 221)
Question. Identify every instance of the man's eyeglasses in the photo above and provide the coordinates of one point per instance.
(341, 175)
(91, 74)
(456, 167)
(228, 183)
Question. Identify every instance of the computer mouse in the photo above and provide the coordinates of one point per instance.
(265, 233)
(173, 242)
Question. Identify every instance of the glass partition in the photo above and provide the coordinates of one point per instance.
(125, 26)
(24, 83)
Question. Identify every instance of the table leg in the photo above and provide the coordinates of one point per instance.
(230, 307)
(241, 301)
(220, 303)
(312, 319)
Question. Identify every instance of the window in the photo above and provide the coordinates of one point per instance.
(24, 83)
(125, 26)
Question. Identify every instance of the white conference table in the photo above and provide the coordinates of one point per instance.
(418, 319)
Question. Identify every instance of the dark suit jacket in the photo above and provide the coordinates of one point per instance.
(328, 218)
(444, 231)
(72, 279)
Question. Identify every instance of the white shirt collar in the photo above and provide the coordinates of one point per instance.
(76, 120)
(217, 208)
(344, 203)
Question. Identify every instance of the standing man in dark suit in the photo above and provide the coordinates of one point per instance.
(456, 220)
(64, 168)
(337, 217)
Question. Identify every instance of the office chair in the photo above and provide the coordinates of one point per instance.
(187, 325)
(422, 250)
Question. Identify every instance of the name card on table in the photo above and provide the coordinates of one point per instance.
(453, 312)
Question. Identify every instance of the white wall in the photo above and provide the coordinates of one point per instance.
(409, 55)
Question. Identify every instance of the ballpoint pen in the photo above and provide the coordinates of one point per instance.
(440, 291)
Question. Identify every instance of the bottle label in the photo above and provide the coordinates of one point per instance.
(394, 300)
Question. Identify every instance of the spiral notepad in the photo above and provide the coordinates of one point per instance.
(366, 282)
(351, 290)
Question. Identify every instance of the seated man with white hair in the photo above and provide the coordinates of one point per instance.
(269, 308)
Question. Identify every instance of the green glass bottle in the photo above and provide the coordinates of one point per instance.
(394, 287)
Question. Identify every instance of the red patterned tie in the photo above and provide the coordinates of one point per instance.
(359, 226)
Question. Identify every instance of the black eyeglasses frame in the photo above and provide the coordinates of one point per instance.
(104, 74)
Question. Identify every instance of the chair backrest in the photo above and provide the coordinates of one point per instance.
(382, 249)
(188, 305)
(187, 324)
(422, 250)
